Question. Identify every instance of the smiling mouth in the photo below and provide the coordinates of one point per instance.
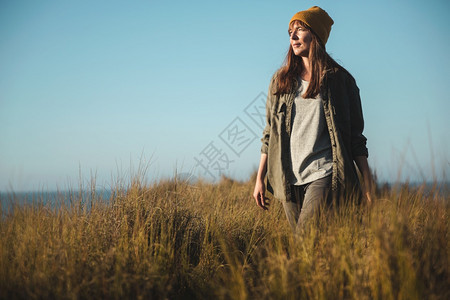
(296, 45)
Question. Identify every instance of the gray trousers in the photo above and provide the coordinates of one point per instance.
(306, 200)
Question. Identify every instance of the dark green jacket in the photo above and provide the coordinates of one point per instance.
(344, 118)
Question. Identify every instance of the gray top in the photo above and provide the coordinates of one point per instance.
(311, 154)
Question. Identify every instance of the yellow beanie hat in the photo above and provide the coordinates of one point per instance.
(317, 19)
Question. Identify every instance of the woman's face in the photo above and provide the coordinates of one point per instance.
(300, 39)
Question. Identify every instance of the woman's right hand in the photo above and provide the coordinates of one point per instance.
(259, 192)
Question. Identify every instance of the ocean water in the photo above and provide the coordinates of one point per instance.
(52, 199)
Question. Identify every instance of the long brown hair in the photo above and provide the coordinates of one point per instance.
(292, 68)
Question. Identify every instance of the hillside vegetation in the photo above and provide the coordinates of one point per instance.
(175, 240)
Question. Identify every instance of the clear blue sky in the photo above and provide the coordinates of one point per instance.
(98, 87)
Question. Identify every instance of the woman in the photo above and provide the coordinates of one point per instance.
(314, 126)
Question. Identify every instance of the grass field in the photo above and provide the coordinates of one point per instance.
(174, 240)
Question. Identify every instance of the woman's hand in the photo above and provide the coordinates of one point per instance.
(259, 192)
(260, 187)
(363, 166)
(367, 196)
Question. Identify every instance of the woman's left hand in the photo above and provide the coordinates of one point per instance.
(363, 166)
(368, 198)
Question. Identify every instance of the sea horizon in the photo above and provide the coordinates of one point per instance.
(86, 195)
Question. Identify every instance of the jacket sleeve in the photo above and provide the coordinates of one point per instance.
(358, 140)
(266, 131)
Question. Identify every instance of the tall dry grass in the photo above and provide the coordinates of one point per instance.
(175, 240)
